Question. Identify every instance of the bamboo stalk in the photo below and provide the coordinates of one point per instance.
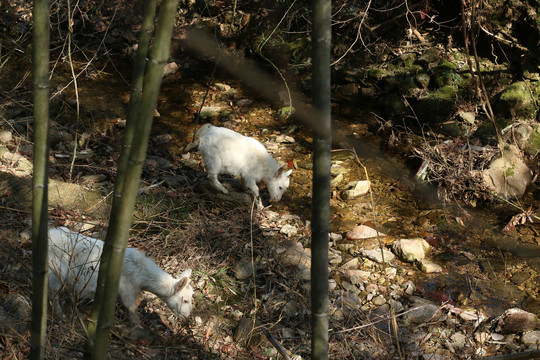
(40, 71)
(322, 146)
(129, 133)
(152, 83)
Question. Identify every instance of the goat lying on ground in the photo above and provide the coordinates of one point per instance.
(74, 263)
(226, 152)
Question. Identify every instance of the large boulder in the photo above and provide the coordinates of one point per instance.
(508, 176)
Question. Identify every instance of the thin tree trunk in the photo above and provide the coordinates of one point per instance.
(40, 73)
(121, 173)
(322, 146)
(152, 83)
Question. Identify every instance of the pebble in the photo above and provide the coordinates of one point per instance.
(531, 338)
(6, 136)
(288, 230)
(376, 255)
(429, 266)
(516, 320)
(411, 250)
(362, 232)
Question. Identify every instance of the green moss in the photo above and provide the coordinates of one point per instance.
(376, 73)
(509, 172)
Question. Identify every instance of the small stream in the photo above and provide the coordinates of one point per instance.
(484, 267)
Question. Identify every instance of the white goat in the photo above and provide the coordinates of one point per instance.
(74, 263)
(227, 152)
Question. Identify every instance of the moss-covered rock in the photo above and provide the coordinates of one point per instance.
(437, 106)
(517, 100)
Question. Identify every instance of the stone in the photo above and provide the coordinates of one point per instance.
(286, 112)
(15, 314)
(508, 176)
(288, 230)
(362, 232)
(428, 266)
(5, 136)
(244, 270)
(170, 68)
(458, 340)
(162, 139)
(516, 320)
(531, 338)
(378, 300)
(377, 256)
(467, 117)
(421, 312)
(351, 264)
(209, 111)
(291, 253)
(516, 100)
(222, 87)
(411, 250)
(356, 276)
(355, 189)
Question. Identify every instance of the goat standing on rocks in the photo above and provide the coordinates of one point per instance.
(227, 152)
(74, 263)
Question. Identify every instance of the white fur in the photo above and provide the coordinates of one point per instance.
(227, 152)
(74, 263)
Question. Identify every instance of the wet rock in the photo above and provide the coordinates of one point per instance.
(355, 189)
(411, 250)
(520, 277)
(428, 266)
(508, 176)
(15, 314)
(531, 338)
(516, 320)
(377, 256)
(5, 136)
(244, 270)
(362, 232)
(421, 311)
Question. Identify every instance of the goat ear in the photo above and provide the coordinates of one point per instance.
(184, 280)
(287, 173)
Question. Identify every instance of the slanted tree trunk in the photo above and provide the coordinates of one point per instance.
(322, 146)
(121, 173)
(40, 76)
(152, 83)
